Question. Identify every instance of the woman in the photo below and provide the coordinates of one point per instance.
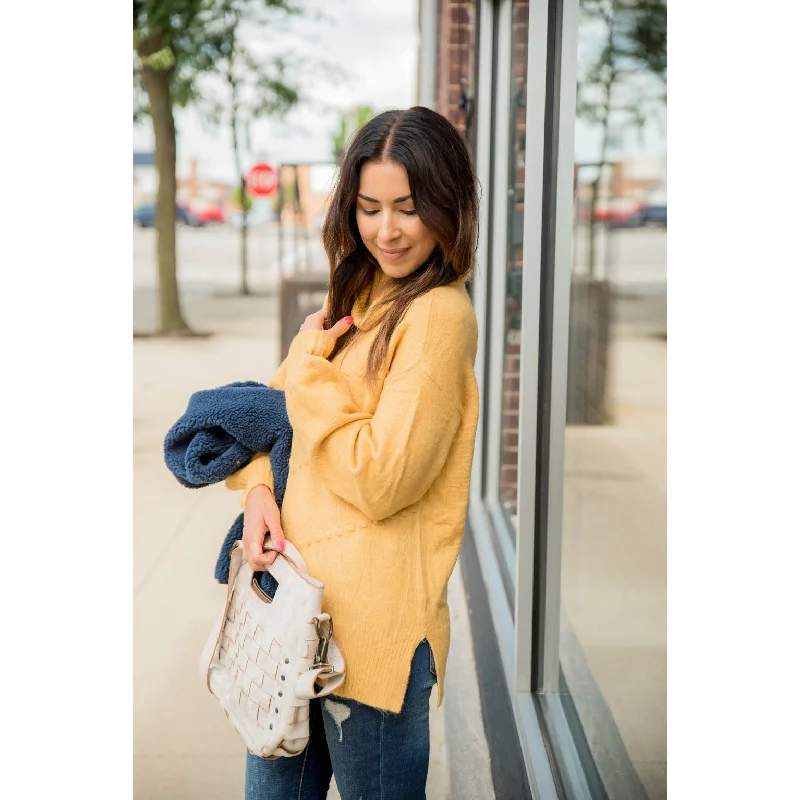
(384, 406)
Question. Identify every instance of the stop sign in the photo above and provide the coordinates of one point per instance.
(262, 181)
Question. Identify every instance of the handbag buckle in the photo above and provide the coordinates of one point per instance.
(324, 629)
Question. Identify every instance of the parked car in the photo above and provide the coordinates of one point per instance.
(209, 215)
(618, 212)
(655, 215)
(145, 216)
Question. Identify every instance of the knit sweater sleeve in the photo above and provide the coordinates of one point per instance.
(259, 469)
(382, 462)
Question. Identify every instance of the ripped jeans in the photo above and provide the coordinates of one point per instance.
(375, 755)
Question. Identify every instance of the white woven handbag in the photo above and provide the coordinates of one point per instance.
(264, 657)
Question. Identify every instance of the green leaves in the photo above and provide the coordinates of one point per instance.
(201, 43)
(161, 59)
(616, 89)
(349, 123)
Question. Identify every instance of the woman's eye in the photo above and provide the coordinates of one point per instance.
(368, 213)
(409, 213)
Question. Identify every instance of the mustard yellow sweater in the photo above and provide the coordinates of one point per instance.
(378, 482)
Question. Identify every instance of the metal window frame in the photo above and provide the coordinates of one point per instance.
(557, 263)
(531, 735)
(515, 623)
(427, 82)
(551, 481)
(535, 114)
(529, 630)
(484, 172)
(499, 249)
(498, 154)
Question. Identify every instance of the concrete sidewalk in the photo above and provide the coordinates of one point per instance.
(184, 748)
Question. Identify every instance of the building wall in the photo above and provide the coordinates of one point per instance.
(145, 184)
(598, 656)
(457, 80)
(456, 60)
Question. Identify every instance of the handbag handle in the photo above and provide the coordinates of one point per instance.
(291, 556)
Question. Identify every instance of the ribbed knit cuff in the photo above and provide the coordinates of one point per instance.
(252, 485)
(313, 342)
(260, 474)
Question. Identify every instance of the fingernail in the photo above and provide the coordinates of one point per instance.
(348, 320)
(279, 545)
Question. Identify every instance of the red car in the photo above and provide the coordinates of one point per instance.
(207, 215)
(618, 212)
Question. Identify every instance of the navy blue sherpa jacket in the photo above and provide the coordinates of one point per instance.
(218, 434)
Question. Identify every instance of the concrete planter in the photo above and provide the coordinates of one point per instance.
(300, 295)
(589, 333)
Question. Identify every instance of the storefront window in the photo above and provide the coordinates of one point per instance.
(613, 585)
(513, 306)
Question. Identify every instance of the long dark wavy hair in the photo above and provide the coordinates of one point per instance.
(444, 191)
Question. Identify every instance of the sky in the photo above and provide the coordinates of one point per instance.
(375, 43)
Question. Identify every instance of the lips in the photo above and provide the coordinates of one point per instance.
(393, 255)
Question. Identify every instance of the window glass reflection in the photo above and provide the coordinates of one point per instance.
(613, 636)
(509, 444)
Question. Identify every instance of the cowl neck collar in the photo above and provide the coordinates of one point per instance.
(366, 313)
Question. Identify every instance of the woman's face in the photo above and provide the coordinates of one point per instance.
(387, 221)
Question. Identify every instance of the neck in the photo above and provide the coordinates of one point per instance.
(380, 279)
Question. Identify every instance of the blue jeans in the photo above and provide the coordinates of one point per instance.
(375, 755)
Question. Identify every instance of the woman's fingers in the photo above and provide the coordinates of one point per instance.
(255, 529)
(261, 516)
(316, 321)
(277, 541)
(340, 327)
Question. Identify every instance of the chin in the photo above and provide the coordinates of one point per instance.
(397, 270)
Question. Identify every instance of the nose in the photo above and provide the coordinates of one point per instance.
(388, 230)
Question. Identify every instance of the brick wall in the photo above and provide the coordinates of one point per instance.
(456, 59)
(456, 70)
(510, 424)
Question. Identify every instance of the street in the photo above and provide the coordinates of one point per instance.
(208, 264)
(209, 258)
(633, 259)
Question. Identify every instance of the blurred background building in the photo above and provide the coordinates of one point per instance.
(563, 103)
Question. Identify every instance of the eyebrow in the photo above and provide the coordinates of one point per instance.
(373, 200)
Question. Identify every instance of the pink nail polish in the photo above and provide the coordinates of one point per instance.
(279, 545)
(348, 320)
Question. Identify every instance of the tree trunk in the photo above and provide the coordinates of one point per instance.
(156, 84)
(243, 287)
(593, 223)
(607, 88)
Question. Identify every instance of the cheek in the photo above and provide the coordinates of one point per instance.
(421, 236)
(365, 228)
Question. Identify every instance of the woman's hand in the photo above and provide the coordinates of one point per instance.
(316, 322)
(261, 516)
